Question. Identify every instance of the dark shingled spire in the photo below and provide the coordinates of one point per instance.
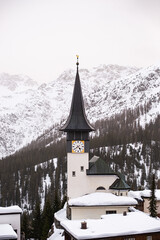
(77, 120)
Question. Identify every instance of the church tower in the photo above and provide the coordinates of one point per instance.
(77, 128)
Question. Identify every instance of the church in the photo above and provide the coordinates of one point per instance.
(94, 191)
(93, 188)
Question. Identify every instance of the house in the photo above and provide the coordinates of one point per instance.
(10, 219)
(142, 198)
(130, 226)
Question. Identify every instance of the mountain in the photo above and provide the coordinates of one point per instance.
(28, 110)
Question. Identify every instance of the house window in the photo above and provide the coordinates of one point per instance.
(82, 169)
(73, 174)
(111, 212)
(149, 238)
(129, 238)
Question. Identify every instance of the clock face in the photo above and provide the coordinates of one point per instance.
(77, 146)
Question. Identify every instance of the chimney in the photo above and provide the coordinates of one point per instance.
(84, 225)
(124, 213)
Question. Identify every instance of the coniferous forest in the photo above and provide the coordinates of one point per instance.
(35, 177)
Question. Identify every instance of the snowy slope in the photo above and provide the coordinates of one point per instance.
(27, 110)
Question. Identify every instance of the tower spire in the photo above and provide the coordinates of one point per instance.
(77, 63)
(77, 120)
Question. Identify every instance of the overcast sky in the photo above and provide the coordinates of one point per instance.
(40, 38)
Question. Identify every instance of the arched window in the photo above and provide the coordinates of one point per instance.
(100, 188)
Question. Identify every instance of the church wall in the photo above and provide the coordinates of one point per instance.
(95, 181)
(80, 183)
(77, 185)
(94, 212)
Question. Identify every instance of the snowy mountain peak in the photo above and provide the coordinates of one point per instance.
(27, 111)
(11, 83)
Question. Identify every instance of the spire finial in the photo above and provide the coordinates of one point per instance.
(77, 60)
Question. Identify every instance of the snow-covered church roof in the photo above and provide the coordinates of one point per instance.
(102, 199)
(113, 225)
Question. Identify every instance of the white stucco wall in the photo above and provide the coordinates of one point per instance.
(76, 186)
(158, 206)
(95, 181)
(94, 212)
(14, 220)
(82, 184)
(146, 205)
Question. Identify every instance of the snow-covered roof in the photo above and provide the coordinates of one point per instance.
(7, 232)
(61, 214)
(11, 209)
(57, 235)
(144, 193)
(113, 225)
(102, 199)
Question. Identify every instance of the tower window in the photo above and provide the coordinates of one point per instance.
(82, 169)
(73, 174)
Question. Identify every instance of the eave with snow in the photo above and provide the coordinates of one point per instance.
(134, 225)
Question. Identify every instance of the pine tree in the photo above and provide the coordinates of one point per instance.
(56, 203)
(37, 222)
(152, 203)
(25, 225)
(47, 218)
